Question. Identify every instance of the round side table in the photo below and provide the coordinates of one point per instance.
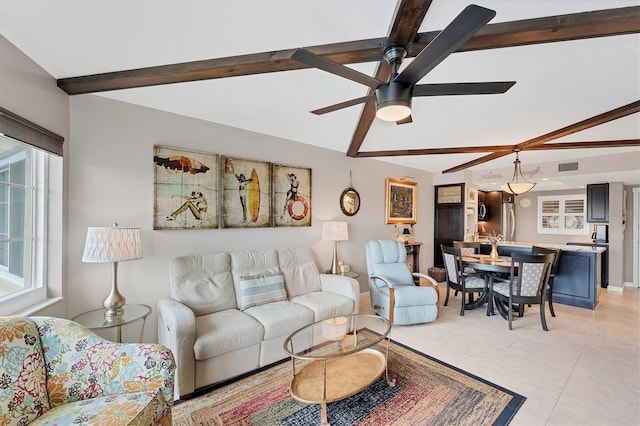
(95, 320)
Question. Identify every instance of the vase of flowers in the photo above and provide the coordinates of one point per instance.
(494, 239)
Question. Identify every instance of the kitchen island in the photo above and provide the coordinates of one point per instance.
(578, 279)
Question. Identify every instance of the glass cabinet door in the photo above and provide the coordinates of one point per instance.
(450, 194)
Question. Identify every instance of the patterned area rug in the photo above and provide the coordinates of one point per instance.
(427, 392)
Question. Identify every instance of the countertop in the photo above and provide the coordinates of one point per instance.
(551, 245)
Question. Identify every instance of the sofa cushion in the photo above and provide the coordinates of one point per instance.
(281, 318)
(325, 305)
(23, 378)
(225, 331)
(300, 271)
(250, 263)
(203, 282)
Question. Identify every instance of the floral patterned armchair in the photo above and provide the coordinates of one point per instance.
(55, 371)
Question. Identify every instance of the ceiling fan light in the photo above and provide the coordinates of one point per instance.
(393, 111)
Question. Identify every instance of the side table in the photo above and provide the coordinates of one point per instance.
(95, 319)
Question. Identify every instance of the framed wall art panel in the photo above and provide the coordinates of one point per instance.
(185, 189)
(246, 193)
(291, 196)
(401, 201)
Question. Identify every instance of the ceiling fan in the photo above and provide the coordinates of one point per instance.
(393, 97)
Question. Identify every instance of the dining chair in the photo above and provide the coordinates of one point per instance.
(458, 279)
(552, 273)
(391, 286)
(527, 284)
(467, 247)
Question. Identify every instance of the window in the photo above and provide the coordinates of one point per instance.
(31, 182)
(20, 203)
(562, 214)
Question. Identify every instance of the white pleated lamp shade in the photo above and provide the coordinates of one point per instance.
(112, 244)
(335, 231)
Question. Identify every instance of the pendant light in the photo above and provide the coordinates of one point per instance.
(518, 185)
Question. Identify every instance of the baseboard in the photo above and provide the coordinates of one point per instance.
(364, 295)
(629, 284)
(614, 289)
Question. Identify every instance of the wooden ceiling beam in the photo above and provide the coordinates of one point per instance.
(497, 148)
(550, 29)
(596, 120)
(602, 23)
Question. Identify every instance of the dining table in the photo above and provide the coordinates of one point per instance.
(490, 268)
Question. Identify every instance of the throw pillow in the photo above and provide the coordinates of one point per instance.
(260, 289)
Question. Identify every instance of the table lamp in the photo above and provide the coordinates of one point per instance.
(335, 231)
(112, 244)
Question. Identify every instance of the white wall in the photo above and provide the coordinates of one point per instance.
(631, 222)
(111, 180)
(27, 90)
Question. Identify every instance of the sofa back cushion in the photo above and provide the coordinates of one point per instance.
(247, 264)
(203, 282)
(301, 274)
(23, 378)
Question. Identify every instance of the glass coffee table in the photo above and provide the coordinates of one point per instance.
(336, 358)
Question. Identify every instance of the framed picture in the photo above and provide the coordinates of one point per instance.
(402, 201)
(291, 196)
(185, 189)
(473, 195)
(246, 193)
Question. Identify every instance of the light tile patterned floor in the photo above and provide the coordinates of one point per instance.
(584, 371)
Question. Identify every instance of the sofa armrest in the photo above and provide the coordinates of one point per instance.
(342, 285)
(177, 331)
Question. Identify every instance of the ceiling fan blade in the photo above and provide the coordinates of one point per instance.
(406, 120)
(306, 57)
(461, 29)
(344, 104)
(446, 89)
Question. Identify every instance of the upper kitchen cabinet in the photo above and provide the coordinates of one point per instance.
(598, 202)
(450, 194)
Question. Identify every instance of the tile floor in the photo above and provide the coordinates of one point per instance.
(584, 371)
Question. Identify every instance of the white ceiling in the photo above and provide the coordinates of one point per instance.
(557, 85)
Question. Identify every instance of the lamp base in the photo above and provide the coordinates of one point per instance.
(114, 303)
(334, 260)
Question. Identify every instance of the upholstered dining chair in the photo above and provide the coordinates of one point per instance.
(391, 287)
(552, 273)
(458, 278)
(467, 247)
(527, 284)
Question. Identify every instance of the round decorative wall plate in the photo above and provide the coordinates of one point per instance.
(525, 202)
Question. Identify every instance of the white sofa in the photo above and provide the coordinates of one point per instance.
(229, 313)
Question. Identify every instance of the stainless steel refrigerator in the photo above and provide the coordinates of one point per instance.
(500, 215)
(508, 217)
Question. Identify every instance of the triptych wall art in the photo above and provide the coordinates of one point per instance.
(196, 190)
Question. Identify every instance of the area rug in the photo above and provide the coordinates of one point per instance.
(427, 392)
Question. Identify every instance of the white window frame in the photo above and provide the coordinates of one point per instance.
(37, 292)
(561, 230)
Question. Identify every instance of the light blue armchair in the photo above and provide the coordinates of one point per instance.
(391, 288)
